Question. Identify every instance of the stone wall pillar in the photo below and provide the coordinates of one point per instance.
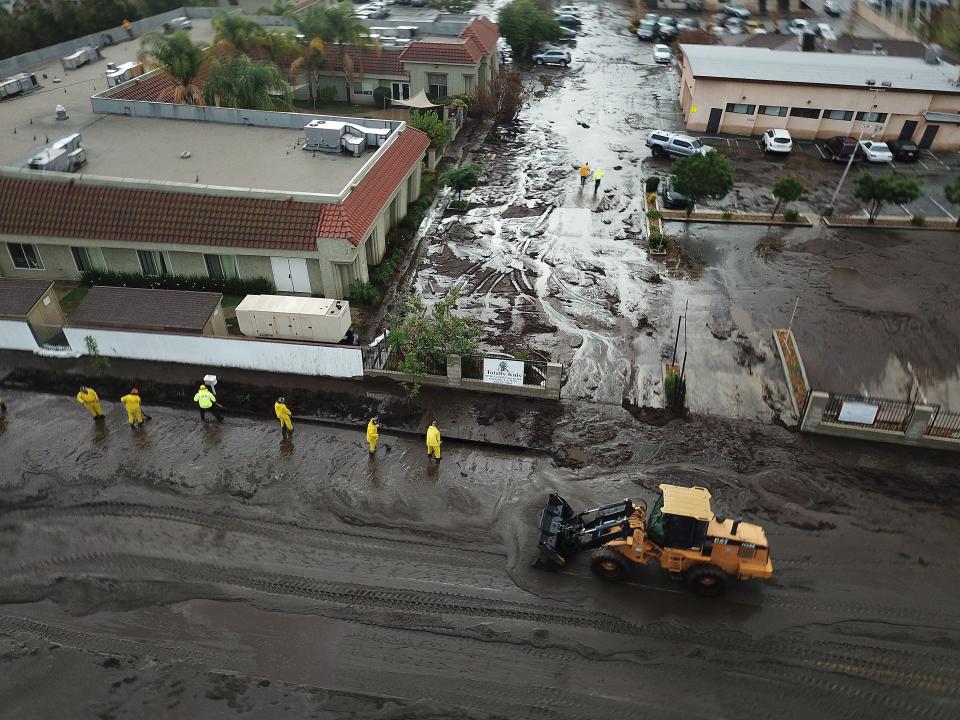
(814, 413)
(454, 369)
(919, 421)
(554, 371)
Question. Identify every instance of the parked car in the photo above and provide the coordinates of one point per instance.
(904, 150)
(661, 54)
(825, 31)
(569, 20)
(735, 9)
(651, 17)
(671, 199)
(777, 141)
(647, 30)
(567, 33)
(684, 24)
(667, 33)
(839, 149)
(553, 56)
(831, 8)
(876, 151)
(666, 20)
(798, 26)
(662, 142)
(734, 26)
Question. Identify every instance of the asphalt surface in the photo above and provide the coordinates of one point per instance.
(207, 571)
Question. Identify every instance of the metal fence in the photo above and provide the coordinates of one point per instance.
(944, 424)
(436, 366)
(891, 414)
(50, 337)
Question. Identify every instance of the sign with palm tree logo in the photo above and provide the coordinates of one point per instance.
(503, 372)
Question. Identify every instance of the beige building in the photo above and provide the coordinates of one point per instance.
(746, 90)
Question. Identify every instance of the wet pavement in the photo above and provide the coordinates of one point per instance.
(208, 571)
(561, 272)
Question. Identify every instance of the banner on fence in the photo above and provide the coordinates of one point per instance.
(503, 372)
(856, 412)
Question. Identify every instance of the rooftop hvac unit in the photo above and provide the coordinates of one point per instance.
(402, 42)
(406, 31)
(77, 159)
(51, 160)
(337, 135)
(68, 143)
(300, 318)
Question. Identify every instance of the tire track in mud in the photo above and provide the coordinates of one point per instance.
(919, 670)
(287, 531)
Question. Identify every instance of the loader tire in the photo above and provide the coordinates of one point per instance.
(609, 565)
(707, 580)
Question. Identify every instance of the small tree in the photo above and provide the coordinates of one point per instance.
(462, 178)
(879, 190)
(436, 129)
(787, 189)
(502, 98)
(702, 176)
(421, 338)
(952, 193)
(525, 26)
(98, 361)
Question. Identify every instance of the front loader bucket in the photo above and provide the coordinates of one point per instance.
(553, 520)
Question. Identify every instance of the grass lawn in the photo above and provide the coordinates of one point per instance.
(230, 301)
(70, 301)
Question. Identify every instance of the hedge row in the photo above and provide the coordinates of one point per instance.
(227, 286)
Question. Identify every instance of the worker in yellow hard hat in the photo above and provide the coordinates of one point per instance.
(283, 415)
(131, 401)
(91, 401)
(373, 432)
(207, 402)
(433, 440)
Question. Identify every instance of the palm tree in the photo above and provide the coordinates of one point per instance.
(279, 7)
(246, 83)
(277, 45)
(235, 35)
(338, 25)
(311, 60)
(181, 61)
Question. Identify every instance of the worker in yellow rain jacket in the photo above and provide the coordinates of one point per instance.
(373, 432)
(584, 173)
(207, 402)
(91, 401)
(433, 440)
(283, 415)
(131, 401)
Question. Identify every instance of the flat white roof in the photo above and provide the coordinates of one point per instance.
(293, 305)
(816, 68)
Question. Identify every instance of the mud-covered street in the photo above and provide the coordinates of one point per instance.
(191, 571)
(563, 273)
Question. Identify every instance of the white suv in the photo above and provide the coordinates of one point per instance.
(554, 56)
(662, 143)
(777, 141)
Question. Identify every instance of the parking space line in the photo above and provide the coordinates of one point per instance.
(822, 156)
(935, 157)
(945, 211)
(904, 208)
(759, 147)
(926, 167)
(892, 165)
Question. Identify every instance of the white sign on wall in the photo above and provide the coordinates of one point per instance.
(856, 412)
(503, 372)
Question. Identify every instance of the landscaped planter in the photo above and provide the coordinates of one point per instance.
(793, 369)
(734, 219)
(859, 222)
(656, 227)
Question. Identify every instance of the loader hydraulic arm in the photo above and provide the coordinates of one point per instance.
(564, 533)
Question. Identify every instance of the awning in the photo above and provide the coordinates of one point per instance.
(420, 101)
(941, 117)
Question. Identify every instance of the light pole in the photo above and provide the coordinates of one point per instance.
(827, 211)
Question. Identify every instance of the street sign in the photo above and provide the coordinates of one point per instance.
(503, 372)
(857, 412)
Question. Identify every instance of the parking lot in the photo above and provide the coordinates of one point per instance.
(756, 172)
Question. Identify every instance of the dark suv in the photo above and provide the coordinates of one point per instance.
(904, 150)
(672, 200)
(839, 149)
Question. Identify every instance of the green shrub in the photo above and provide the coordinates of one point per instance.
(459, 204)
(383, 274)
(654, 214)
(493, 136)
(653, 183)
(381, 97)
(791, 215)
(670, 390)
(327, 94)
(657, 241)
(227, 286)
(918, 220)
(364, 294)
(727, 215)
(632, 27)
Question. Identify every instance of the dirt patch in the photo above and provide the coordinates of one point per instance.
(521, 211)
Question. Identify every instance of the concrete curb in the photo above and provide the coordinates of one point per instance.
(841, 222)
(806, 222)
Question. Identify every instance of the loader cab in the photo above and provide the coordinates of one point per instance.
(680, 517)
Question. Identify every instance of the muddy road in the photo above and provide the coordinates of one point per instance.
(563, 273)
(188, 571)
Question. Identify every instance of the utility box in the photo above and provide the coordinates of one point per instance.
(121, 73)
(84, 55)
(294, 318)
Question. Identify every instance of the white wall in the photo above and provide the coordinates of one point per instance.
(213, 352)
(16, 335)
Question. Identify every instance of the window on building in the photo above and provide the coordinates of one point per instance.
(88, 259)
(741, 108)
(872, 116)
(25, 257)
(838, 114)
(775, 110)
(805, 112)
(152, 263)
(221, 266)
(436, 86)
(469, 82)
(363, 87)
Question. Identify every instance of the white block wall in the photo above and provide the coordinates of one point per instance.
(16, 335)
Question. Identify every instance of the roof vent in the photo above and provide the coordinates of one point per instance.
(871, 83)
(887, 83)
(933, 54)
(879, 49)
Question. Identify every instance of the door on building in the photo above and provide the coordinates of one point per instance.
(713, 124)
(907, 131)
(926, 140)
(401, 91)
(290, 274)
